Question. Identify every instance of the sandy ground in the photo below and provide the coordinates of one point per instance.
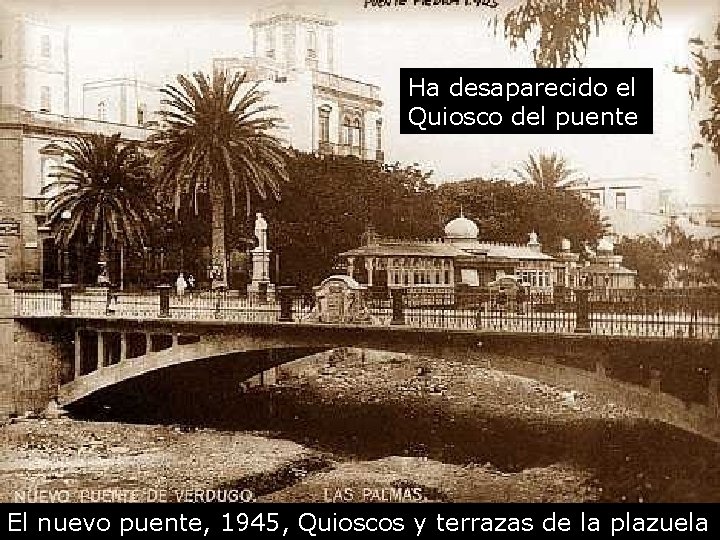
(42, 455)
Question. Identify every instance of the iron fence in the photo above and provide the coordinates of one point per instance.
(683, 313)
(688, 314)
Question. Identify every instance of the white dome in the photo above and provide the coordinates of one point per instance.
(461, 228)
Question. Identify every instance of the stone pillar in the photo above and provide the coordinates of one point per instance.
(369, 264)
(123, 346)
(655, 379)
(148, 343)
(398, 310)
(351, 266)
(175, 339)
(601, 368)
(78, 353)
(713, 391)
(286, 303)
(66, 299)
(7, 340)
(164, 300)
(582, 311)
(3, 268)
(100, 350)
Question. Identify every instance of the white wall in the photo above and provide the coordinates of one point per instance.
(122, 99)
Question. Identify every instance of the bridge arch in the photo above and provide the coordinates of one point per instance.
(205, 348)
(673, 380)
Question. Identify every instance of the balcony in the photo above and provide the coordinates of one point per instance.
(68, 124)
(334, 149)
(346, 86)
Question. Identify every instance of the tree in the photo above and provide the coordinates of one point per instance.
(546, 171)
(648, 257)
(330, 201)
(508, 212)
(216, 139)
(563, 27)
(102, 192)
(706, 73)
(682, 260)
(562, 30)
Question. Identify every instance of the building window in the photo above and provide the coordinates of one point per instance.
(141, 114)
(347, 131)
(594, 198)
(311, 55)
(621, 200)
(324, 125)
(45, 46)
(102, 111)
(269, 43)
(356, 140)
(289, 37)
(44, 99)
(47, 169)
(378, 134)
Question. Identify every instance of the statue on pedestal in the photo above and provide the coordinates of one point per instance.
(261, 260)
(261, 228)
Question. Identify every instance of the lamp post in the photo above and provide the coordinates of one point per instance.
(65, 216)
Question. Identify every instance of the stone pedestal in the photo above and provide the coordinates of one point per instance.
(260, 284)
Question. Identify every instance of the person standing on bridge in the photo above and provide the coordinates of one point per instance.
(180, 284)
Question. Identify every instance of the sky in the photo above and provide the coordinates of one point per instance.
(156, 40)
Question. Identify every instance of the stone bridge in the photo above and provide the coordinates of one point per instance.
(68, 358)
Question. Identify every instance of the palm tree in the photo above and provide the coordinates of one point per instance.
(547, 171)
(101, 192)
(216, 139)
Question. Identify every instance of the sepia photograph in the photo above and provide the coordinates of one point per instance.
(249, 253)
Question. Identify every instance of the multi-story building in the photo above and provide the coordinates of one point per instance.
(122, 101)
(293, 52)
(294, 57)
(34, 121)
(34, 64)
(632, 206)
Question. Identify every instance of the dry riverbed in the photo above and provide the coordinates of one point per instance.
(374, 428)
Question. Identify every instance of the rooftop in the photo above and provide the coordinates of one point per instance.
(406, 249)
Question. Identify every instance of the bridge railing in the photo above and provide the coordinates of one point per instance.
(198, 306)
(491, 310)
(37, 303)
(685, 313)
(224, 305)
(637, 312)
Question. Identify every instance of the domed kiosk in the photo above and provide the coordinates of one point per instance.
(461, 228)
(460, 259)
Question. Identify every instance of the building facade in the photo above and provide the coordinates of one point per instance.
(34, 64)
(324, 112)
(34, 122)
(122, 101)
